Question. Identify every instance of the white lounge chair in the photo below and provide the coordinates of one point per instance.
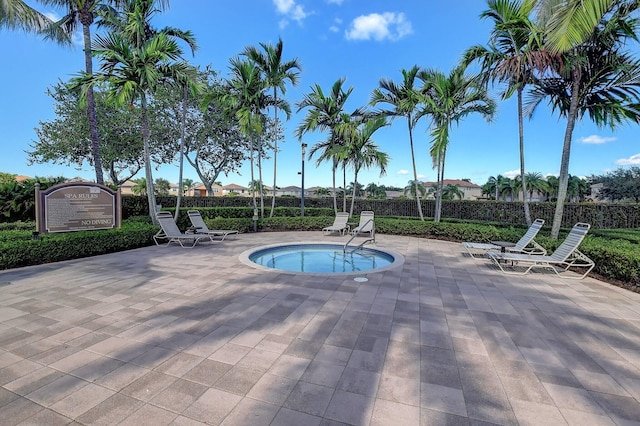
(199, 227)
(339, 224)
(526, 244)
(170, 231)
(366, 224)
(566, 257)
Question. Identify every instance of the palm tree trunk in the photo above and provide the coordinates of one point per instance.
(275, 154)
(527, 213)
(335, 198)
(260, 188)
(353, 195)
(253, 182)
(415, 171)
(91, 107)
(563, 179)
(151, 196)
(183, 126)
(344, 185)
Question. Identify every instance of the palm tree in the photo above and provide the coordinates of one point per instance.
(552, 188)
(597, 77)
(17, 15)
(404, 100)
(82, 13)
(570, 22)
(512, 56)
(451, 192)
(136, 58)
(535, 182)
(140, 187)
(325, 113)
(362, 150)
(449, 99)
(412, 187)
(246, 98)
(276, 73)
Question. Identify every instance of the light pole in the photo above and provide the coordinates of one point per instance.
(304, 146)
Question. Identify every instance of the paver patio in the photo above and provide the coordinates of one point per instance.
(164, 335)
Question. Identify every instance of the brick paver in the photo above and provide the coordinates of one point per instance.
(164, 335)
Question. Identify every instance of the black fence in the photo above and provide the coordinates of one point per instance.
(599, 215)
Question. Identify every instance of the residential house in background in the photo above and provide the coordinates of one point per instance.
(199, 190)
(470, 190)
(242, 191)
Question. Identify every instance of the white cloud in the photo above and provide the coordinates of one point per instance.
(596, 140)
(291, 10)
(392, 26)
(421, 176)
(338, 2)
(334, 29)
(403, 172)
(634, 160)
(511, 173)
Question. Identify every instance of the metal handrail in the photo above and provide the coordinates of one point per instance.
(373, 238)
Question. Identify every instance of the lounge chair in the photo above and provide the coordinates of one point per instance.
(170, 231)
(366, 224)
(339, 224)
(566, 257)
(526, 244)
(199, 227)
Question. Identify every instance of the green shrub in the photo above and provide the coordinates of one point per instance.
(22, 250)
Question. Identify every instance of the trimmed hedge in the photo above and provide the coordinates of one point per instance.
(23, 250)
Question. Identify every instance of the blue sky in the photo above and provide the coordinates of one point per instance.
(360, 40)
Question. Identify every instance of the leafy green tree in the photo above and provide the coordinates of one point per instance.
(404, 99)
(186, 184)
(276, 74)
(619, 185)
(82, 13)
(323, 192)
(162, 187)
(17, 199)
(448, 99)
(7, 178)
(599, 77)
(136, 58)
(64, 139)
(376, 192)
(325, 113)
(513, 54)
(211, 142)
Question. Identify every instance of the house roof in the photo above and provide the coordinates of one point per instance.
(459, 182)
(233, 186)
(22, 178)
(291, 188)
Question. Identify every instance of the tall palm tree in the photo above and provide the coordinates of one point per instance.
(451, 192)
(135, 59)
(82, 13)
(448, 99)
(276, 73)
(325, 113)
(362, 150)
(514, 53)
(245, 98)
(404, 99)
(17, 15)
(597, 77)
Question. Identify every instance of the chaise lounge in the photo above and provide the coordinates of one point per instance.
(526, 244)
(566, 257)
(199, 227)
(339, 224)
(170, 231)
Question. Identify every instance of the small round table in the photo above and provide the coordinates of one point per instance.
(503, 245)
